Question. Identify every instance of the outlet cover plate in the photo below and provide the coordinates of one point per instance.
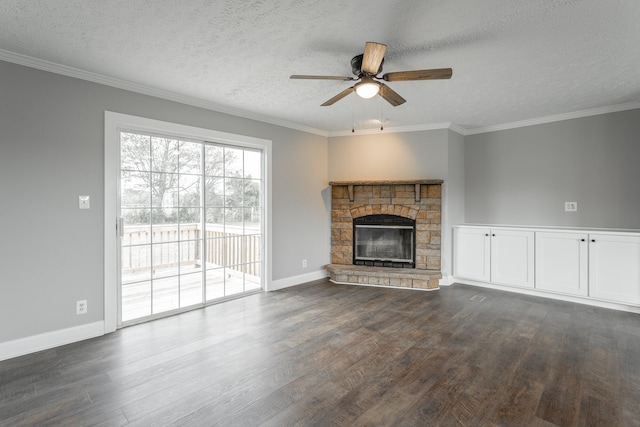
(81, 307)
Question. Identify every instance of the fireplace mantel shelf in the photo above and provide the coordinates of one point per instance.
(401, 182)
(415, 182)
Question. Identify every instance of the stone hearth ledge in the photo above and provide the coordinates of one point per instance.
(409, 278)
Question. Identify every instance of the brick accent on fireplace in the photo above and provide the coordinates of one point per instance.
(419, 200)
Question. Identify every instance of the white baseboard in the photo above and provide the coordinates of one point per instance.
(447, 281)
(297, 280)
(561, 297)
(47, 340)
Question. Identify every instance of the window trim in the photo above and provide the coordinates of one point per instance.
(113, 124)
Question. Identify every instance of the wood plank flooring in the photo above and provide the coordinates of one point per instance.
(321, 354)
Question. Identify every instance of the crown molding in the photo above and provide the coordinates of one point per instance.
(458, 129)
(64, 70)
(400, 129)
(555, 118)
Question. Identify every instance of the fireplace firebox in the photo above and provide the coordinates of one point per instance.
(384, 241)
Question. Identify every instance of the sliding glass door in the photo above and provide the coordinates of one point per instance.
(190, 223)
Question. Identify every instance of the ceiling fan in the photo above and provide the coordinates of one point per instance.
(366, 68)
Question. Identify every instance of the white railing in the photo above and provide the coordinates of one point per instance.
(181, 245)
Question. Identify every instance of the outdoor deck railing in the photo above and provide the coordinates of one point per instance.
(181, 245)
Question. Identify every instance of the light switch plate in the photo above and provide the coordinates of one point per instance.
(84, 202)
(570, 206)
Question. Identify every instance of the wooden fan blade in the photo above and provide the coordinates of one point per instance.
(373, 56)
(434, 74)
(338, 97)
(298, 76)
(390, 95)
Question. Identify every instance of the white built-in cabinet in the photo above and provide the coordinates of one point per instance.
(595, 264)
(512, 257)
(472, 253)
(502, 256)
(562, 262)
(614, 267)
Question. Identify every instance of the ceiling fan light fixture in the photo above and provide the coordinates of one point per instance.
(367, 88)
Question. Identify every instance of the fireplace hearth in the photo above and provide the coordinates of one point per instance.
(379, 226)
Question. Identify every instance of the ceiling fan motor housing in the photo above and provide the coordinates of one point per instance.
(356, 66)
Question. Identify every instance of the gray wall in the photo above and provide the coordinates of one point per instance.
(523, 176)
(51, 151)
(385, 156)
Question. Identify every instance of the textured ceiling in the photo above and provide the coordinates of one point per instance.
(512, 60)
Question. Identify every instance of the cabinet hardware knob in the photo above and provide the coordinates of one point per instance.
(582, 240)
(593, 240)
(493, 235)
(487, 235)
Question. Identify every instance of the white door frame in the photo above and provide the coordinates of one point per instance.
(113, 123)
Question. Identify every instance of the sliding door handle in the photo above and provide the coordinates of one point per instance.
(120, 227)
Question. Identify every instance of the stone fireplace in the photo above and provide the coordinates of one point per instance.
(386, 233)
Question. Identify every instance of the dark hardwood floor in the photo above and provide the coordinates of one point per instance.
(323, 354)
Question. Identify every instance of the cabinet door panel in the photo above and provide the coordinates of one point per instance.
(512, 257)
(471, 253)
(614, 268)
(562, 262)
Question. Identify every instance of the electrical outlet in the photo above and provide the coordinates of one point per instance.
(304, 263)
(570, 206)
(81, 307)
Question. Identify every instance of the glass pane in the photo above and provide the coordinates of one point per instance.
(135, 263)
(232, 246)
(136, 300)
(214, 192)
(233, 220)
(251, 220)
(215, 250)
(189, 219)
(135, 152)
(166, 294)
(190, 289)
(164, 154)
(251, 248)
(213, 160)
(252, 164)
(163, 229)
(165, 259)
(215, 284)
(234, 280)
(233, 162)
(137, 226)
(252, 277)
(215, 218)
(190, 157)
(189, 190)
(251, 193)
(190, 260)
(134, 187)
(233, 192)
(164, 191)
